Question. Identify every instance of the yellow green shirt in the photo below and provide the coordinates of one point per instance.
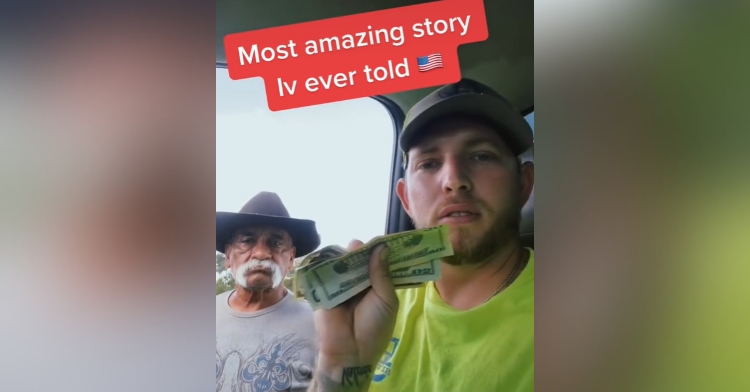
(438, 348)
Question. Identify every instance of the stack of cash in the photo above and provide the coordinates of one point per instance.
(330, 276)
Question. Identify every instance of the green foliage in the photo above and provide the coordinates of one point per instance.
(220, 263)
(224, 279)
(224, 283)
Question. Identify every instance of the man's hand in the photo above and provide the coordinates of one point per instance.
(354, 335)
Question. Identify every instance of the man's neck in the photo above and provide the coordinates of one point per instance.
(245, 300)
(467, 286)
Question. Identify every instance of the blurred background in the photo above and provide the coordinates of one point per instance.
(642, 196)
(107, 157)
(107, 166)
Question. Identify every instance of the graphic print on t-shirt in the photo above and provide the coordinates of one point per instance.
(383, 369)
(273, 366)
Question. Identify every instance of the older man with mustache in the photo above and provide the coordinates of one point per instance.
(265, 338)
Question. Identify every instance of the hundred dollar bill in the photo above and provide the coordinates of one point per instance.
(410, 277)
(406, 249)
(416, 274)
(330, 282)
(402, 278)
(329, 252)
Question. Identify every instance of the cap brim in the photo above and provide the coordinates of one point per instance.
(303, 232)
(512, 126)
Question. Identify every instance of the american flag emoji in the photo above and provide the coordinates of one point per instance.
(430, 62)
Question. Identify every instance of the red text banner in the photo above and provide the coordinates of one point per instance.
(357, 56)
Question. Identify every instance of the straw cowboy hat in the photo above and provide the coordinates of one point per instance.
(266, 209)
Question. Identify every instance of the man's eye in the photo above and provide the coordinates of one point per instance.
(483, 156)
(427, 165)
(276, 244)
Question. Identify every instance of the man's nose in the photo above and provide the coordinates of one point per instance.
(261, 251)
(455, 176)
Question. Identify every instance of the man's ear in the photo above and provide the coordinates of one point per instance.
(292, 256)
(401, 192)
(227, 260)
(527, 181)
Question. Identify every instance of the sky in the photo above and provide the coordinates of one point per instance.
(329, 163)
(530, 120)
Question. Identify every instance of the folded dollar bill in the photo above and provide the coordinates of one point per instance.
(329, 252)
(331, 275)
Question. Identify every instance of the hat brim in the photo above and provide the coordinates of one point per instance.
(304, 234)
(512, 127)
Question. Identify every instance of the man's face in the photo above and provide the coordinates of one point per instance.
(260, 257)
(463, 175)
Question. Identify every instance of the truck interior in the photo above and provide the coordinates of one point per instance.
(505, 62)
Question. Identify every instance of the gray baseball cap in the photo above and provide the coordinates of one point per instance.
(471, 98)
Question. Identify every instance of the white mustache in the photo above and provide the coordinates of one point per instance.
(241, 272)
(267, 264)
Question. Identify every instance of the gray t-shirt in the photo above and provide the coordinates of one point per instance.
(273, 349)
